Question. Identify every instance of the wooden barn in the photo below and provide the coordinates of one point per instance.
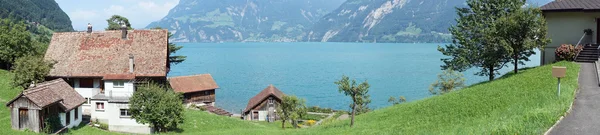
(196, 89)
(54, 98)
(262, 106)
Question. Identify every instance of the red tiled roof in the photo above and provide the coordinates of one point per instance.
(119, 77)
(263, 95)
(46, 93)
(572, 5)
(195, 83)
(82, 54)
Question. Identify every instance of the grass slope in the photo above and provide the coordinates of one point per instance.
(525, 103)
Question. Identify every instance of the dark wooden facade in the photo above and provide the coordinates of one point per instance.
(269, 105)
(26, 115)
(207, 96)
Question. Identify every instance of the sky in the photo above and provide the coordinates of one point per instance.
(139, 12)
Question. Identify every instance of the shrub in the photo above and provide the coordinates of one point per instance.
(320, 110)
(567, 52)
(102, 126)
(448, 81)
(52, 124)
(310, 122)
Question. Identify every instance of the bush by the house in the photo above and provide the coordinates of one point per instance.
(319, 109)
(310, 122)
(567, 52)
(52, 125)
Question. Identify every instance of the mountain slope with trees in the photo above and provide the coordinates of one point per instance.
(240, 21)
(44, 12)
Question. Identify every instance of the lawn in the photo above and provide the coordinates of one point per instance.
(524, 103)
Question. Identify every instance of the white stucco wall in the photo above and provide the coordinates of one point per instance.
(567, 28)
(87, 92)
(74, 122)
(126, 91)
(99, 115)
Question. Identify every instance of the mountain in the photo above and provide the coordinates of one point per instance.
(44, 12)
(313, 20)
(244, 21)
(388, 21)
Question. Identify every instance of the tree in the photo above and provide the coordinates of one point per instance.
(523, 30)
(15, 42)
(115, 22)
(475, 38)
(30, 70)
(358, 93)
(173, 48)
(158, 106)
(291, 108)
(393, 100)
(448, 81)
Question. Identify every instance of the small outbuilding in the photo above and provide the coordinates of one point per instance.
(262, 106)
(196, 89)
(54, 98)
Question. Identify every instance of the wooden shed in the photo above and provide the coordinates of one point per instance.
(262, 106)
(49, 99)
(197, 89)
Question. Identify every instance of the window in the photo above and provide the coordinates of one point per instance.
(86, 83)
(87, 101)
(68, 118)
(118, 84)
(99, 105)
(125, 113)
(76, 111)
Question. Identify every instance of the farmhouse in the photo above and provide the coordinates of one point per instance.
(196, 89)
(105, 67)
(262, 106)
(567, 20)
(45, 100)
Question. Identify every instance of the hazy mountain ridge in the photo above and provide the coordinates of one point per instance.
(246, 21)
(313, 20)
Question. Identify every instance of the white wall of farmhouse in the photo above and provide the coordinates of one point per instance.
(567, 28)
(73, 121)
(118, 91)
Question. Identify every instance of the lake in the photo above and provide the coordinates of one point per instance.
(308, 70)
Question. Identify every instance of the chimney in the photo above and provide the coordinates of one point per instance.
(123, 31)
(89, 30)
(131, 63)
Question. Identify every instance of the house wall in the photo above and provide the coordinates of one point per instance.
(97, 114)
(87, 92)
(263, 110)
(111, 115)
(126, 91)
(119, 123)
(74, 122)
(567, 28)
(33, 122)
(200, 97)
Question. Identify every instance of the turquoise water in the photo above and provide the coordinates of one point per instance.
(308, 70)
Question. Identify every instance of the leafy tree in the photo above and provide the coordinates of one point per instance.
(475, 38)
(358, 93)
(448, 81)
(15, 42)
(30, 70)
(158, 106)
(115, 22)
(393, 100)
(291, 108)
(173, 48)
(523, 30)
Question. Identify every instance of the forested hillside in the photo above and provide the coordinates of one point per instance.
(44, 12)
